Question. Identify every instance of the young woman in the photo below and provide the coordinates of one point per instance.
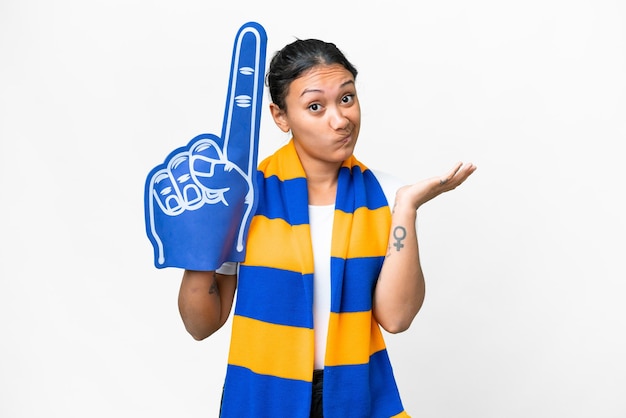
(332, 255)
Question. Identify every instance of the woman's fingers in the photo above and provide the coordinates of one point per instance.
(459, 173)
(416, 194)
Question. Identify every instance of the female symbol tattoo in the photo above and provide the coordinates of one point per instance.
(399, 233)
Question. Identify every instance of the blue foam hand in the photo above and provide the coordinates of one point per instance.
(200, 201)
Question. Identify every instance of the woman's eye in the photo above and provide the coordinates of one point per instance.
(315, 107)
(347, 98)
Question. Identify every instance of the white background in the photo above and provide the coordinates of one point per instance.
(524, 314)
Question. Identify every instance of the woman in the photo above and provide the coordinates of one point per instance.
(330, 259)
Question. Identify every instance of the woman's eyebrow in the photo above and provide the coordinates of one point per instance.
(305, 91)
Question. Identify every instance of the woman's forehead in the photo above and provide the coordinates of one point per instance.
(321, 76)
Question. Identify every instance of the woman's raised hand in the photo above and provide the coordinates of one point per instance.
(416, 194)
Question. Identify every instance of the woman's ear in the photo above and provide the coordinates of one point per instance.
(279, 117)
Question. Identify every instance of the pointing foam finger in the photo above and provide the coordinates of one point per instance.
(245, 96)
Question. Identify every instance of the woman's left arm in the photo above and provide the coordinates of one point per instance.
(400, 288)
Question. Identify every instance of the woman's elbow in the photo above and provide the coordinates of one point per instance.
(200, 334)
(397, 320)
(200, 330)
(396, 327)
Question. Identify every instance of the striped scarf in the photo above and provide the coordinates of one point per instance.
(270, 365)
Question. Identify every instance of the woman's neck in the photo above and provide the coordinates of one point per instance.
(322, 184)
(322, 192)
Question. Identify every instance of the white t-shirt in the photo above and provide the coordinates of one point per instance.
(321, 223)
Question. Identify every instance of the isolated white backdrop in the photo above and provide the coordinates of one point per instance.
(524, 314)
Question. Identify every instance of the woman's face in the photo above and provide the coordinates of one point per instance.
(323, 114)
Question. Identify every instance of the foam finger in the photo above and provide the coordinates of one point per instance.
(245, 95)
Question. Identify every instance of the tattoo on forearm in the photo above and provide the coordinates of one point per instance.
(214, 289)
(399, 233)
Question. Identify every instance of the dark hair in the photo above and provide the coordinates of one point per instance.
(297, 57)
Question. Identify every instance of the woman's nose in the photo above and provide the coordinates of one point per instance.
(338, 120)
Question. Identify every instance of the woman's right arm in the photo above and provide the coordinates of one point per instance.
(205, 300)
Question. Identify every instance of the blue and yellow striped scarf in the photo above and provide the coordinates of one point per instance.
(270, 365)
